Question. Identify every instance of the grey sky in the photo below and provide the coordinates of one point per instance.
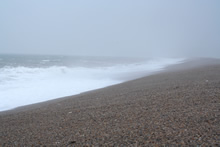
(111, 27)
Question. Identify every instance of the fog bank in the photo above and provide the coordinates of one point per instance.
(111, 28)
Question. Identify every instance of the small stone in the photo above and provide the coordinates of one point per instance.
(72, 142)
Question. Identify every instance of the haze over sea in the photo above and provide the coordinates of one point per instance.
(28, 79)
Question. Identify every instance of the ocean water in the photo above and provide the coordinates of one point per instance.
(28, 79)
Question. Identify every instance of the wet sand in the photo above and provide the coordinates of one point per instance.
(179, 106)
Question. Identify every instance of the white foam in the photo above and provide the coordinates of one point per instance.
(23, 85)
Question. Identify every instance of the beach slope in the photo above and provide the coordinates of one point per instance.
(179, 106)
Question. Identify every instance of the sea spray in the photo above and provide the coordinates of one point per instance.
(34, 79)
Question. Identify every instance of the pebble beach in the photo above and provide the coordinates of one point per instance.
(179, 106)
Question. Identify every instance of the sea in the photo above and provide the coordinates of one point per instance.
(28, 79)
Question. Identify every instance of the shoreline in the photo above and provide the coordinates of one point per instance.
(177, 106)
(125, 78)
(69, 83)
(183, 65)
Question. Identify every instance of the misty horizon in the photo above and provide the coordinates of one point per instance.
(111, 28)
